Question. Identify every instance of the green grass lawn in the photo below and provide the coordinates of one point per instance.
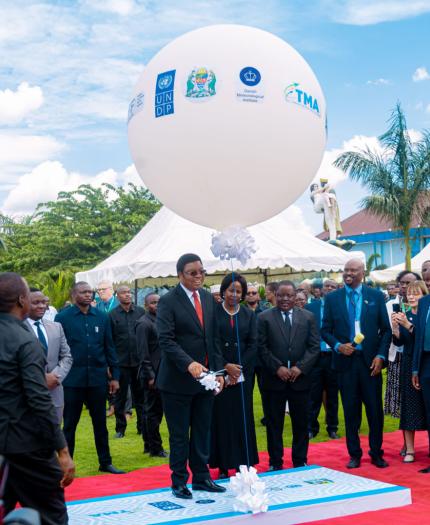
(127, 453)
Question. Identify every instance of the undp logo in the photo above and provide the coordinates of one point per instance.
(165, 81)
(250, 76)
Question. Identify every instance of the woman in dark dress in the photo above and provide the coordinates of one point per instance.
(233, 440)
(412, 413)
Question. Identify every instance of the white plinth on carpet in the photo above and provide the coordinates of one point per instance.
(296, 496)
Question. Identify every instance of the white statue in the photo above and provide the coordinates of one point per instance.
(325, 202)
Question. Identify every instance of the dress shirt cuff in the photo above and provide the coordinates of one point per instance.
(336, 347)
(115, 373)
(414, 372)
(381, 357)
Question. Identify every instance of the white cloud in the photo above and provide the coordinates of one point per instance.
(16, 105)
(420, 74)
(46, 180)
(356, 143)
(379, 82)
(415, 135)
(367, 12)
(335, 175)
(293, 215)
(119, 7)
(428, 109)
(20, 153)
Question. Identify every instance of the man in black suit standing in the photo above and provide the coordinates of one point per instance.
(149, 350)
(188, 338)
(31, 440)
(349, 311)
(323, 377)
(288, 345)
(123, 323)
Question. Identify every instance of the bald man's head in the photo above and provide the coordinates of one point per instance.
(353, 273)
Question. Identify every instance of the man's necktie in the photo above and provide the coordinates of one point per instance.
(199, 312)
(287, 324)
(41, 337)
(352, 313)
(198, 307)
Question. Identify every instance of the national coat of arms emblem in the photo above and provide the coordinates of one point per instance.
(201, 83)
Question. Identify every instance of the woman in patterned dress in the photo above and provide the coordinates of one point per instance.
(412, 413)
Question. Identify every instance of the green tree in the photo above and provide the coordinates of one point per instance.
(371, 260)
(398, 179)
(5, 223)
(76, 231)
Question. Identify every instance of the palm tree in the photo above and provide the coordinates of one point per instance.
(398, 179)
(371, 260)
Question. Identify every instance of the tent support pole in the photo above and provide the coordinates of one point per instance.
(135, 291)
(265, 276)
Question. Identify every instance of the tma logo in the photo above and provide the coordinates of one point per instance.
(294, 94)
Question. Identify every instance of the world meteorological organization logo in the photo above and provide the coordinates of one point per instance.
(201, 84)
(164, 94)
(294, 94)
(250, 76)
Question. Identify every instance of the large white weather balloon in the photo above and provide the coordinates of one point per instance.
(227, 125)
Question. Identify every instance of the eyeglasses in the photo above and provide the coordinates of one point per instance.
(103, 289)
(252, 293)
(195, 273)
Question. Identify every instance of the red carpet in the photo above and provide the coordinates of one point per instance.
(330, 454)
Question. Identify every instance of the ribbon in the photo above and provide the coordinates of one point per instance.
(249, 491)
(235, 242)
(209, 381)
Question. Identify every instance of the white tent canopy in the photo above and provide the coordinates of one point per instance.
(390, 274)
(153, 252)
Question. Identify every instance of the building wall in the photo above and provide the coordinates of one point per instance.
(390, 245)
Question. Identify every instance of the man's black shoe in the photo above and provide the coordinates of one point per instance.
(311, 435)
(160, 454)
(181, 491)
(333, 435)
(353, 463)
(119, 435)
(425, 470)
(379, 462)
(209, 486)
(111, 469)
(272, 468)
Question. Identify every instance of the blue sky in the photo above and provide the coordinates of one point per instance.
(68, 70)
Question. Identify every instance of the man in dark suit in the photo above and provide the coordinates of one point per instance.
(188, 337)
(421, 359)
(88, 333)
(123, 323)
(31, 440)
(149, 350)
(349, 311)
(288, 345)
(323, 377)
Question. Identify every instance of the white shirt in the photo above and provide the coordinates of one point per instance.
(190, 294)
(392, 351)
(50, 313)
(32, 323)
